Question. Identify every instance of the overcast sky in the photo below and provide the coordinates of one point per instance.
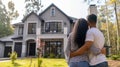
(74, 8)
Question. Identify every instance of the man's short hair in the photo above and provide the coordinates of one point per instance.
(92, 18)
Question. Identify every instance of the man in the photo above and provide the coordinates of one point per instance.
(93, 37)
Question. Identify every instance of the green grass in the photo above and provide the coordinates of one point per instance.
(47, 62)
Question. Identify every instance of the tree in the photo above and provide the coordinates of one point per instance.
(116, 4)
(5, 18)
(106, 14)
(33, 5)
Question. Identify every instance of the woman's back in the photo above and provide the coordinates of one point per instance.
(74, 47)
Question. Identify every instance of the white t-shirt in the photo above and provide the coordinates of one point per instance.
(95, 35)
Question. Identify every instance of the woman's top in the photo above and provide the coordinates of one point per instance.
(71, 47)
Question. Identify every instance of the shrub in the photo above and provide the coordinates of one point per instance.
(52, 55)
(115, 57)
(13, 57)
(39, 62)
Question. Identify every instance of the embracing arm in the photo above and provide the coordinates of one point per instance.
(97, 51)
(83, 49)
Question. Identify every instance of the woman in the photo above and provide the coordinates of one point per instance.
(76, 39)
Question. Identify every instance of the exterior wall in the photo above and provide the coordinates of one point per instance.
(1, 50)
(30, 19)
(16, 30)
(58, 17)
(52, 36)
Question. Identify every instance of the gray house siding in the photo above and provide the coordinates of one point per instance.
(27, 42)
(30, 19)
(58, 17)
(1, 50)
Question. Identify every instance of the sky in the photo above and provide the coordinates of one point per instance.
(73, 8)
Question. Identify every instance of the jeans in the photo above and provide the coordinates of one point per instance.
(104, 64)
(79, 64)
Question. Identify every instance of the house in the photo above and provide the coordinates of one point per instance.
(51, 27)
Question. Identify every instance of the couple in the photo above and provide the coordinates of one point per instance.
(85, 46)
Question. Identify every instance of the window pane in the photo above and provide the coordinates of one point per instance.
(53, 27)
(32, 28)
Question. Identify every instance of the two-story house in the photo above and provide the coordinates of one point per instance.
(51, 27)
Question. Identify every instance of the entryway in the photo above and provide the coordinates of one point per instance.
(31, 48)
(18, 48)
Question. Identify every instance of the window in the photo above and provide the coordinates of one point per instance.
(53, 12)
(54, 47)
(53, 27)
(20, 31)
(32, 28)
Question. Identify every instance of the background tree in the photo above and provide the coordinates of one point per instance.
(6, 16)
(32, 5)
(108, 19)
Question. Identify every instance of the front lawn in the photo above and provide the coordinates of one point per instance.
(26, 63)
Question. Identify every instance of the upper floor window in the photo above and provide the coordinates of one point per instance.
(53, 27)
(20, 31)
(32, 28)
(52, 11)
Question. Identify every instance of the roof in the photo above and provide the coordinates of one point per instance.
(16, 24)
(7, 38)
(68, 17)
(17, 37)
(20, 23)
(31, 14)
(74, 19)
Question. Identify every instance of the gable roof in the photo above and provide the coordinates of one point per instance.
(31, 14)
(69, 18)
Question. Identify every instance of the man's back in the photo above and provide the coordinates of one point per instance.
(96, 36)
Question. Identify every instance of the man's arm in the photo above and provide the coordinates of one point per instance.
(97, 51)
(83, 49)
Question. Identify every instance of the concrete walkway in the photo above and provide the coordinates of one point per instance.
(4, 59)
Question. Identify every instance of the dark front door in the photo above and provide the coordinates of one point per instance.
(32, 49)
(8, 50)
(18, 48)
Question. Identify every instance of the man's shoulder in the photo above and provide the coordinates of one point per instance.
(94, 30)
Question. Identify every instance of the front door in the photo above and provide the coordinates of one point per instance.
(18, 48)
(32, 49)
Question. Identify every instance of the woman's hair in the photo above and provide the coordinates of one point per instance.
(79, 32)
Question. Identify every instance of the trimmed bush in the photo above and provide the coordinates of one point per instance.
(13, 57)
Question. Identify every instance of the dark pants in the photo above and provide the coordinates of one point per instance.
(104, 64)
(79, 64)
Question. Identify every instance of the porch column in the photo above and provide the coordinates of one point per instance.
(13, 46)
(23, 50)
(65, 30)
(64, 45)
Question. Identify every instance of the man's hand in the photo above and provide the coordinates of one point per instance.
(82, 49)
(103, 51)
(71, 54)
